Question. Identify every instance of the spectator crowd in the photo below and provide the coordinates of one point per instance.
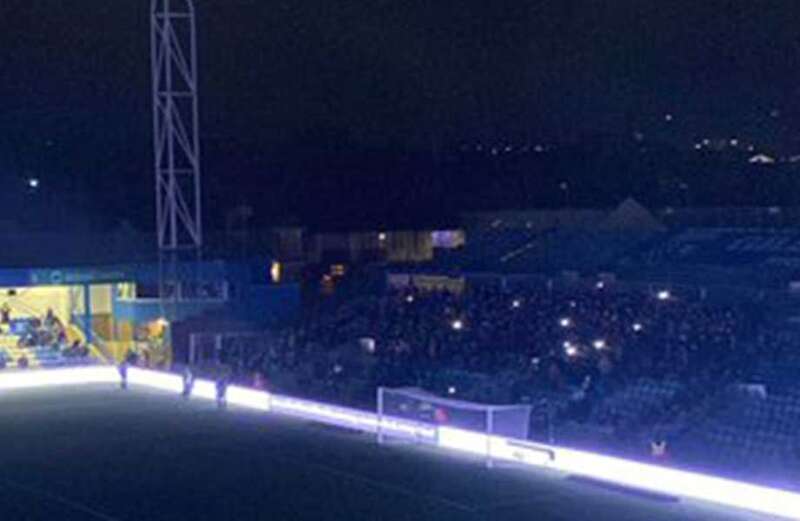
(24, 340)
(557, 339)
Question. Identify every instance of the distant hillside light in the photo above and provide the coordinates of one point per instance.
(663, 295)
(457, 325)
(565, 322)
(382, 236)
(637, 326)
(33, 182)
(599, 344)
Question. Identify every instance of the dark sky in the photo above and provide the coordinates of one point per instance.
(75, 98)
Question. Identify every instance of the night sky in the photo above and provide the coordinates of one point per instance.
(281, 78)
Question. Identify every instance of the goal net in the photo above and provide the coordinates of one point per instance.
(418, 405)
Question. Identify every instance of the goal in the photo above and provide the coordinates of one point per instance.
(420, 406)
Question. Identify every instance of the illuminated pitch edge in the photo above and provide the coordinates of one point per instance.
(261, 400)
(201, 388)
(250, 398)
(155, 379)
(680, 483)
(353, 418)
(613, 470)
(28, 379)
(234, 395)
(628, 473)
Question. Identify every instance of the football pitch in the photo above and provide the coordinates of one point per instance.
(96, 452)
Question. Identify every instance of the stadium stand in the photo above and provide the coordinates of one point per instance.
(33, 342)
(615, 363)
(677, 344)
(758, 257)
(748, 433)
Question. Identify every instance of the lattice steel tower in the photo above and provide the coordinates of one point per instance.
(176, 143)
(176, 126)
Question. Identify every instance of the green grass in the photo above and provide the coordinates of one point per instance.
(98, 452)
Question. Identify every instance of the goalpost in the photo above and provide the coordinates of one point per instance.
(418, 405)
